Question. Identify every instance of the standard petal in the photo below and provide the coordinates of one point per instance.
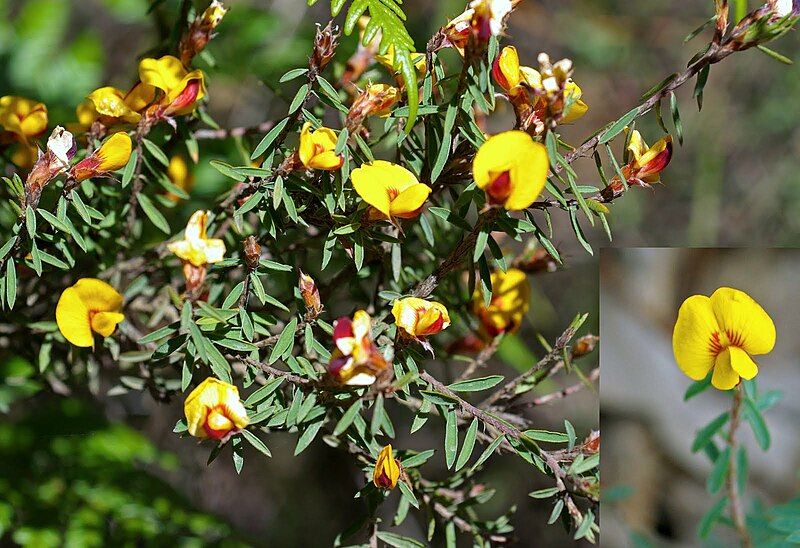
(724, 377)
(744, 321)
(215, 250)
(372, 188)
(97, 295)
(693, 335)
(72, 317)
(165, 73)
(742, 363)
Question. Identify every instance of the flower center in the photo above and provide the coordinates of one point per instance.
(721, 340)
(499, 189)
(217, 424)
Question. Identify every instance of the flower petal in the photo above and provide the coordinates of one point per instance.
(408, 203)
(745, 322)
(724, 377)
(97, 295)
(72, 317)
(104, 323)
(692, 336)
(742, 363)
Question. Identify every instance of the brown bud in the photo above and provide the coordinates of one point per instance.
(310, 293)
(584, 345)
(252, 252)
(200, 32)
(325, 42)
(195, 276)
(592, 442)
(375, 100)
(55, 160)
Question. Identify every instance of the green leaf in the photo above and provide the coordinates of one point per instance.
(676, 116)
(757, 423)
(292, 74)
(264, 392)
(153, 214)
(488, 452)
(11, 284)
(155, 152)
(398, 541)
(406, 491)
(127, 173)
(468, 446)
(775, 55)
(418, 459)
(618, 126)
(348, 418)
(450, 437)
(255, 442)
(438, 398)
(544, 493)
(268, 139)
(709, 431)
(719, 472)
(547, 435)
(697, 387)
(30, 222)
(711, 517)
(474, 385)
(308, 436)
(285, 341)
(227, 170)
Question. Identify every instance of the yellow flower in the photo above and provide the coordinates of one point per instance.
(511, 295)
(721, 333)
(391, 189)
(419, 318)
(317, 148)
(181, 89)
(356, 360)
(214, 410)
(111, 156)
(646, 163)
(506, 69)
(388, 61)
(111, 106)
(512, 168)
(387, 470)
(179, 175)
(90, 305)
(23, 118)
(197, 248)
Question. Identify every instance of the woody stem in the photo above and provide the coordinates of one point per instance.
(737, 510)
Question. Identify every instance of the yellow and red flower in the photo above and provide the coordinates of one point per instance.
(178, 89)
(317, 148)
(90, 306)
(418, 318)
(512, 169)
(214, 410)
(482, 19)
(387, 470)
(196, 247)
(310, 293)
(22, 121)
(392, 190)
(721, 332)
(511, 295)
(356, 360)
(112, 155)
(644, 166)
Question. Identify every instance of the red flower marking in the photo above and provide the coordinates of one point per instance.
(715, 346)
(499, 189)
(212, 433)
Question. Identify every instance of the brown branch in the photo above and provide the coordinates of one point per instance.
(467, 243)
(737, 510)
(593, 375)
(225, 133)
(480, 360)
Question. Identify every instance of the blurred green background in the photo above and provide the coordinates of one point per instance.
(724, 186)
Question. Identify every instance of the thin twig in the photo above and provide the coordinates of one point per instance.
(737, 510)
(225, 133)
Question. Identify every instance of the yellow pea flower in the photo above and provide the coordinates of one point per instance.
(181, 89)
(482, 18)
(317, 148)
(721, 332)
(512, 168)
(511, 295)
(197, 248)
(506, 69)
(23, 118)
(213, 15)
(391, 189)
(356, 360)
(179, 175)
(646, 163)
(214, 410)
(112, 155)
(418, 318)
(89, 306)
(387, 470)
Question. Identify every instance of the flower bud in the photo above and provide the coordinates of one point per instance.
(584, 345)
(252, 252)
(387, 470)
(111, 156)
(325, 42)
(201, 31)
(61, 148)
(214, 410)
(310, 293)
(375, 100)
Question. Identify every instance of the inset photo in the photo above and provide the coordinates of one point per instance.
(698, 409)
